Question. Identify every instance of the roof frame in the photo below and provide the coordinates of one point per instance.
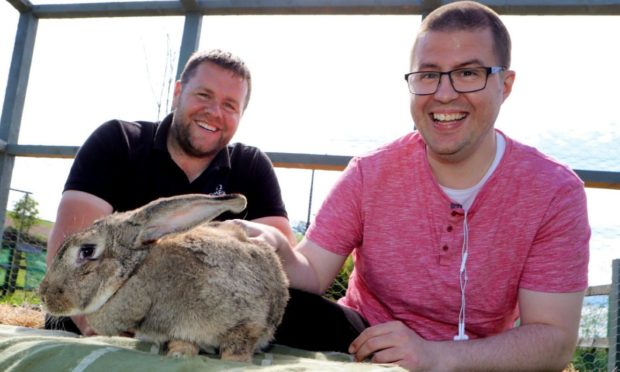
(308, 7)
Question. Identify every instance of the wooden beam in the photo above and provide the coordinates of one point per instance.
(593, 342)
(600, 179)
(599, 290)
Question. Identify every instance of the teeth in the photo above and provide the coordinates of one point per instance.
(448, 117)
(206, 126)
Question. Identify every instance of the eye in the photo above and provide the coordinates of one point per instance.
(427, 75)
(86, 252)
(204, 95)
(469, 73)
(230, 107)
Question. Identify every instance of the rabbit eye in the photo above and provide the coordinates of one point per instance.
(86, 252)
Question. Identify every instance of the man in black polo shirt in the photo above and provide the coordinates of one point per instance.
(124, 165)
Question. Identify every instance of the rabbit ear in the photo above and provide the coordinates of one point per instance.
(180, 213)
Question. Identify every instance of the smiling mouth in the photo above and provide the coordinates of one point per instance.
(448, 117)
(204, 125)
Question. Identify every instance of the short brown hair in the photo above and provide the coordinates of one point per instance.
(223, 59)
(470, 15)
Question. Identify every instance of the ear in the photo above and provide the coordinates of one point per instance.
(508, 81)
(178, 87)
(180, 213)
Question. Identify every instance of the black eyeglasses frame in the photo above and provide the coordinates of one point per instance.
(489, 71)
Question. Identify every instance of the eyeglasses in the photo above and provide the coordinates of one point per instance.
(463, 80)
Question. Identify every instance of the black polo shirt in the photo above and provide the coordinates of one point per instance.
(128, 165)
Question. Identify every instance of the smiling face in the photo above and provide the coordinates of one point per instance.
(208, 108)
(458, 126)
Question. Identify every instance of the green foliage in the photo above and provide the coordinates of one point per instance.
(25, 213)
(589, 359)
(339, 286)
(19, 297)
(593, 324)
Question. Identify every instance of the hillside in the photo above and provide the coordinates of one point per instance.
(41, 229)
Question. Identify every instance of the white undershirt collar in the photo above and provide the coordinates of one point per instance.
(466, 197)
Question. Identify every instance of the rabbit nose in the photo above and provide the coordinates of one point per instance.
(43, 287)
(48, 291)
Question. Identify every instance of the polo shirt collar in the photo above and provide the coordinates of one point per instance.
(161, 133)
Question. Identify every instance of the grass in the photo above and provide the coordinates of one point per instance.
(589, 359)
(21, 298)
(339, 286)
(40, 229)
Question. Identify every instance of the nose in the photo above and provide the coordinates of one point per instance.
(445, 91)
(213, 108)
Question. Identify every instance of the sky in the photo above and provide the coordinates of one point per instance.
(321, 84)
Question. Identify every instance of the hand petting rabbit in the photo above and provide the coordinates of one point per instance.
(165, 272)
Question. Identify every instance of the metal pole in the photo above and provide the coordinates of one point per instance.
(14, 98)
(614, 318)
(310, 201)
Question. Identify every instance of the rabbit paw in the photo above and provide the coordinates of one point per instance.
(180, 348)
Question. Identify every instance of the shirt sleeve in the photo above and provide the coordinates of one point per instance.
(558, 258)
(338, 225)
(98, 165)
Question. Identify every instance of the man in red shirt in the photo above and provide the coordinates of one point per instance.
(456, 230)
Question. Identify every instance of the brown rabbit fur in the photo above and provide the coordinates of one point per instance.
(163, 272)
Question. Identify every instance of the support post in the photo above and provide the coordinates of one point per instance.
(14, 98)
(614, 319)
(191, 39)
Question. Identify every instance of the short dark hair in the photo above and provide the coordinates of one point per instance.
(223, 59)
(470, 15)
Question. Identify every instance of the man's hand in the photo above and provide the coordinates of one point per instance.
(393, 342)
(265, 233)
(544, 341)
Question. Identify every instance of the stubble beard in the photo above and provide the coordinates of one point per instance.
(181, 136)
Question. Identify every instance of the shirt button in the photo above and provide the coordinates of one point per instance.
(445, 248)
(449, 228)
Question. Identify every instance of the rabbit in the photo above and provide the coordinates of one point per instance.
(165, 273)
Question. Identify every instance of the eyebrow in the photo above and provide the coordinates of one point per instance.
(474, 61)
(225, 99)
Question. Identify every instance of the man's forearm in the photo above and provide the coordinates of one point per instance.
(300, 273)
(537, 347)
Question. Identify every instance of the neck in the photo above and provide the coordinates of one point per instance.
(468, 171)
(192, 166)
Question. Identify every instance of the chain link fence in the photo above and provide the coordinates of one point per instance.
(592, 352)
(22, 257)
